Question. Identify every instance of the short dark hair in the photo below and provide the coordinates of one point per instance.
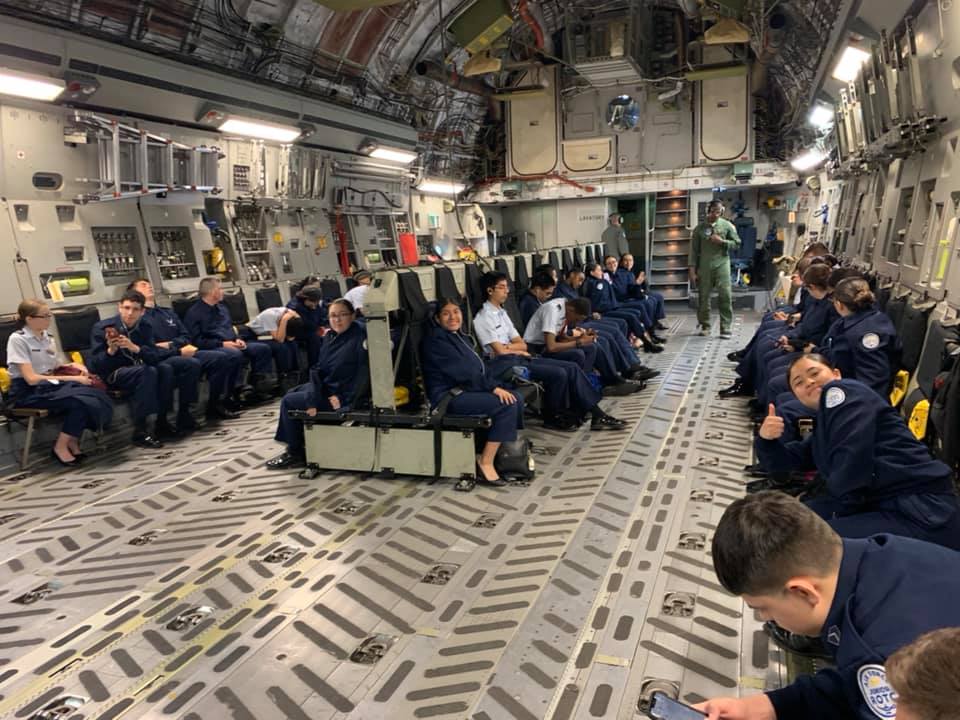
(766, 538)
(133, 296)
(543, 280)
(442, 303)
(714, 203)
(571, 271)
(580, 306)
(588, 268)
(490, 280)
(812, 357)
(610, 257)
(815, 249)
(544, 267)
(133, 283)
(817, 276)
(842, 273)
(310, 292)
(295, 325)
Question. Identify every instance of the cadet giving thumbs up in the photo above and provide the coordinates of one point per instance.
(772, 427)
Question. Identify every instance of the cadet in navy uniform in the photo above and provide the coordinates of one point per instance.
(308, 305)
(336, 379)
(210, 327)
(32, 358)
(604, 300)
(879, 477)
(864, 598)
(862, 344)
(174, 349)
(622, 286)
(123, 354)
(637, 284)
(451, 364)
(569, 396)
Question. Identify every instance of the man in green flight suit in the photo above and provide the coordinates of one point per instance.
(709, 263)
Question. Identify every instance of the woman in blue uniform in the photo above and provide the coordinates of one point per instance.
(450, 364)
(31, 358)
(862, 344)
(879, 477)
(604, 300)
(637, 282)
(336, 380)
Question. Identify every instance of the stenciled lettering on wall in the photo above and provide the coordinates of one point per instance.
(587, 216)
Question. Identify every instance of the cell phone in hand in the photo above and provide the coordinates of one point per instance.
(664, 707)
(111, 332)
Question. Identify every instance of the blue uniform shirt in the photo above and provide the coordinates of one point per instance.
(209, 325)
(312, 319)
(622, 281)
(818, 317)
(890, 591)
(141, 334)
(449, 361)
(565, 291)
(167, 327)
(866, 454)
(601, 294)
(342, 366)
(528, 306)
(864, 346)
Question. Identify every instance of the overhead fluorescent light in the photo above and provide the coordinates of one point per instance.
(808, 159)
(849, 66)
(393, 155)
(821, 116)
(440, 187)
(27, 85)
(260, 130)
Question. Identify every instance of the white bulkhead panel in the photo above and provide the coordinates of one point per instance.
(723, 115)
(534, 132)
(593, 155)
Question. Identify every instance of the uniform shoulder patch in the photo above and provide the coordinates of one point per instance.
(876, 691)
(364, 345)
(871, 341)
(835, 396)
(599, 286)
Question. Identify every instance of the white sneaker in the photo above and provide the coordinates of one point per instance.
(704, 332)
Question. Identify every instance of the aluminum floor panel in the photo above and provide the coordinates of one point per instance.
(554, 607)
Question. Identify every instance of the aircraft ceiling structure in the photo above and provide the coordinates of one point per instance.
(366, 54)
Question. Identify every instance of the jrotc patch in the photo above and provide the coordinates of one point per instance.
(871, 341)
(599, 286)
(835, 396)
(364, 345)
(876, 691)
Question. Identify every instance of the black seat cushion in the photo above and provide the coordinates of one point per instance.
(8, 326)
(577, 258)
(589, 254)
(268, 297)
(894, 310)
(446, 283)
(330, 289)
(237, 305)
(500, 265)
(475, 295)
(566, 260)
(74, 327)
(182, 304)
(941, 341)
(912, 331)
(521, 281)
(554, 259)
(537, 260)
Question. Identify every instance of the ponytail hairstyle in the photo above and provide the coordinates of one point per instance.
(854, 294)
(28, 308)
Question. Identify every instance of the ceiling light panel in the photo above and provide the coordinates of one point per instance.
(27, 85)
(260, 130)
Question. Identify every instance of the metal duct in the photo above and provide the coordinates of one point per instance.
(773, 40)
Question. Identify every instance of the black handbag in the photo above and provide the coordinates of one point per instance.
(515, 460)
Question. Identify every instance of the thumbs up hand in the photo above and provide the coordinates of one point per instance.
(772, 427)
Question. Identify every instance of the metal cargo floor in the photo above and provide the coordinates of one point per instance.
(567, 597)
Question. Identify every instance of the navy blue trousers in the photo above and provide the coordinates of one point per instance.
(642, 307)
(142, 383)
(932, 518)
(566, 388)
(84, 408)
(183, 375)
(506, 419)
(258, 354)
(290, 431)
(615, 330)
(631, 316)
(222, 368)
(286, 356)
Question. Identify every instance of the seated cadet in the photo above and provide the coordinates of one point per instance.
(175, 351)
(817, 318)
(603, 300)
(878, 476)
(452, 369)
(862, 344)
(32, 359)
(308, 305)
(556, 331)
(568, 395)
(621, 292)
(336, 381)
(613, 329)
(123, 354)
(210, 327)
(925, 675)
(640, 289)
(276, 327)
(864, 598)
(356, 295)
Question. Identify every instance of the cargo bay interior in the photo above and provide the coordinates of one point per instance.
(267, 142)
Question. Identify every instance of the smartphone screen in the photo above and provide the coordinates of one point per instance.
(111, 332)
(664, 707)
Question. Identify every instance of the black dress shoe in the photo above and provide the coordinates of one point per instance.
(619, 389)
(561, 423)
(186, 424)
(736, 356)
(660, 326)
(607, 422)
(221, 412)
(643, 373)
(652, 347)
(738, 389)
(65, 463)
(143, 440)
(286, 460)
(811, 647)
(657, 339)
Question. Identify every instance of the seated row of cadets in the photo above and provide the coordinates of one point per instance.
(600, 291)
(610, 351)
(569, 396)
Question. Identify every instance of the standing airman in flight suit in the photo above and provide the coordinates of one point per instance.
(709, 266)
